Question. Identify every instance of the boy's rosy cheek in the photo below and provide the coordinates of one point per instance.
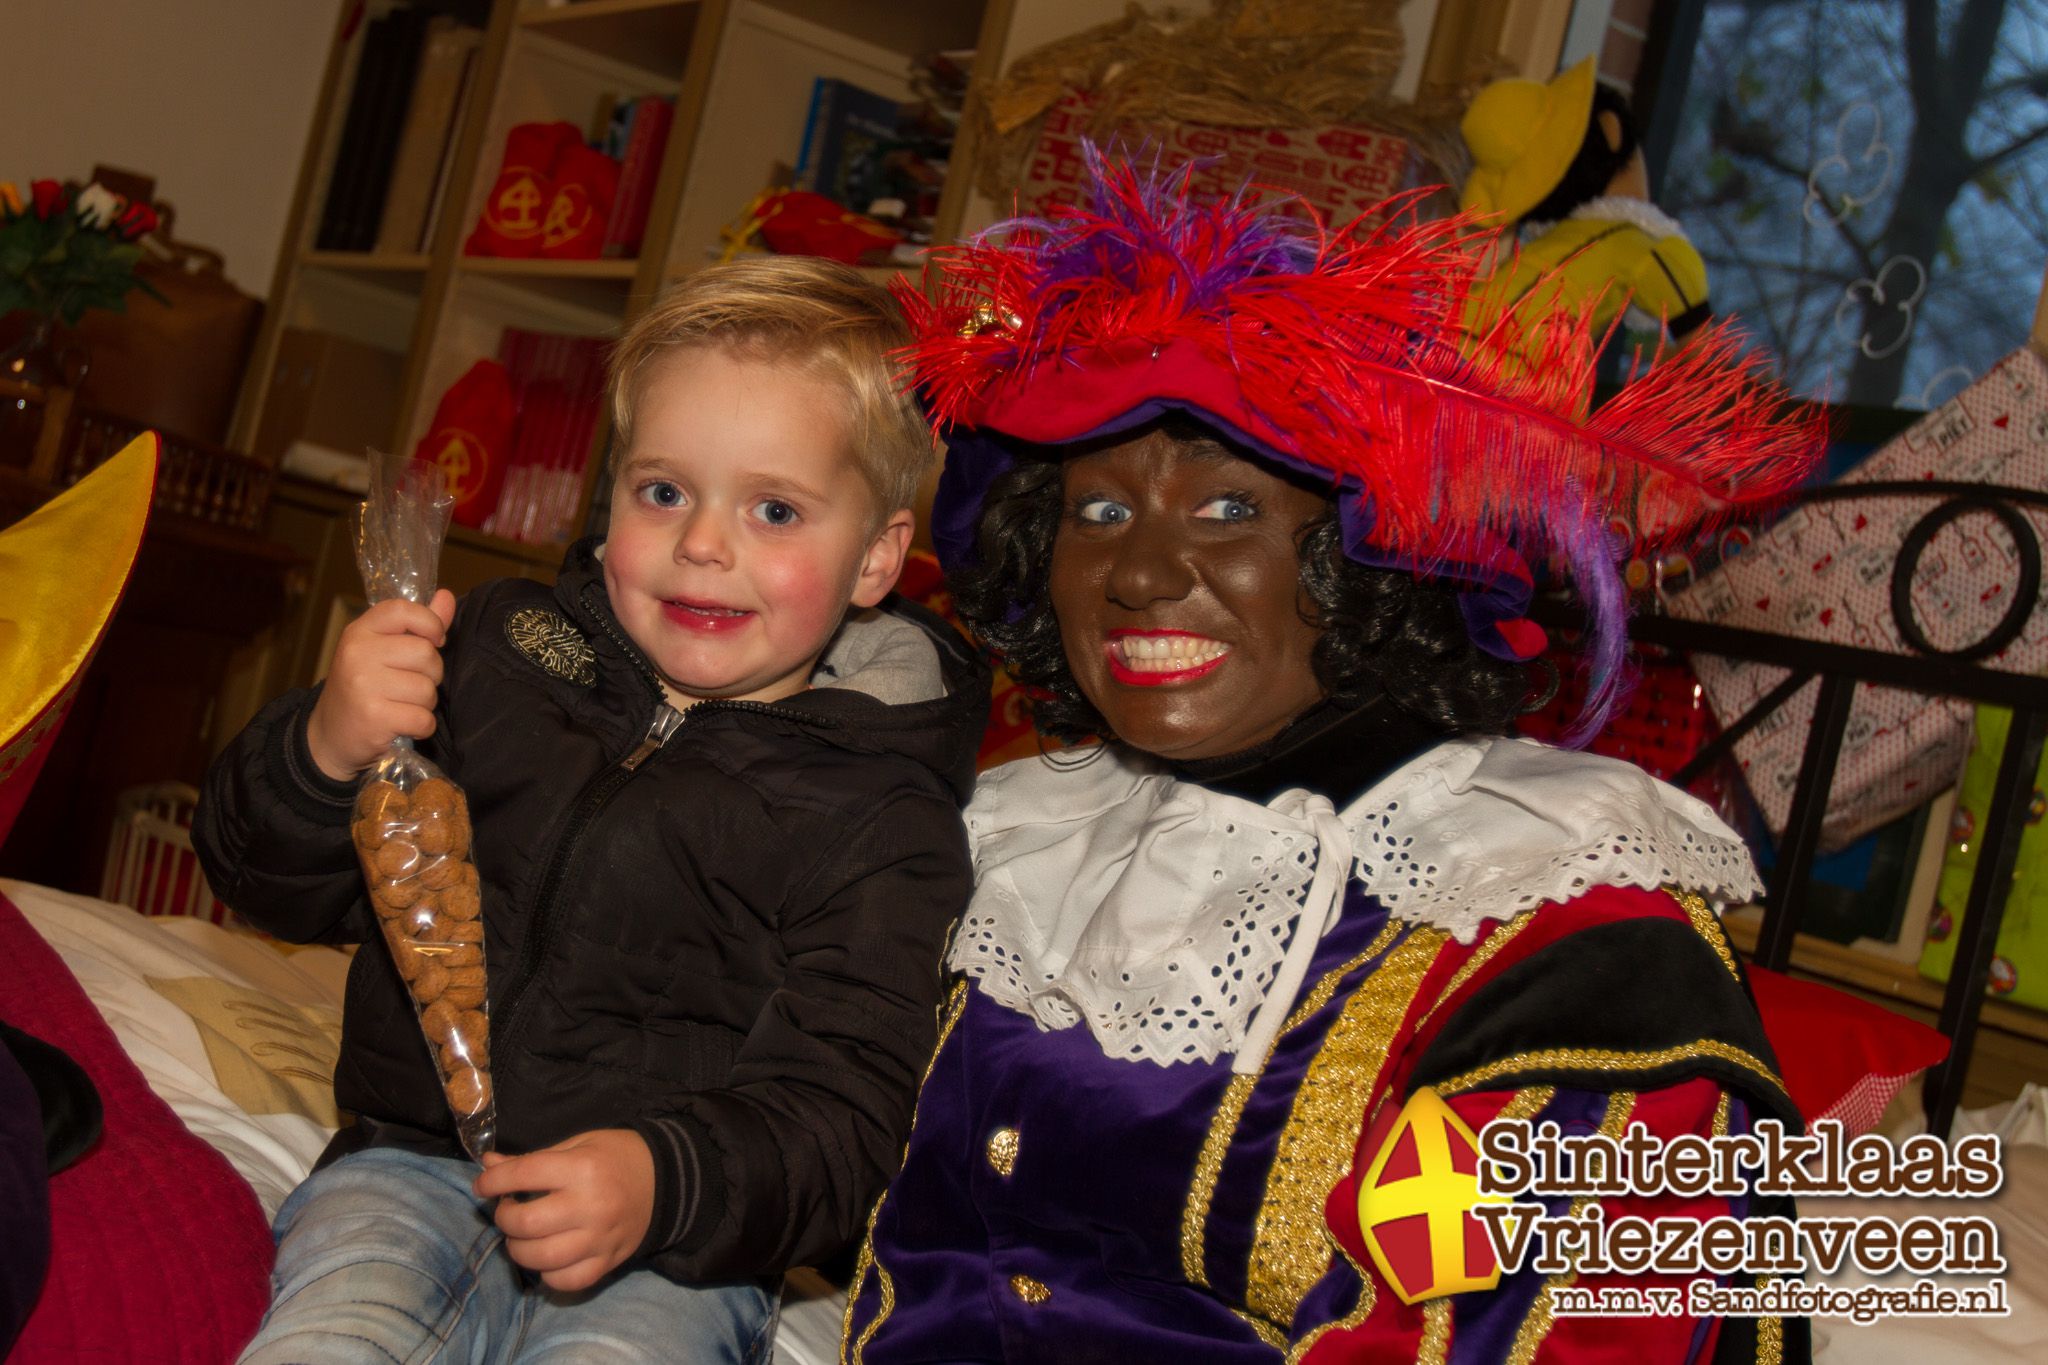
(803, 589)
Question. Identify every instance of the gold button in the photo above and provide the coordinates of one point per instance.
(1030, 1290)
(1002, 1151)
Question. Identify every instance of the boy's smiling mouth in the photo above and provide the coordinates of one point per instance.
(709, 617)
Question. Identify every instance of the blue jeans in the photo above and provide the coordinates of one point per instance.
(387, 1257)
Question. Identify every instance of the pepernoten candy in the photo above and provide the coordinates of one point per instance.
(412, 832)
(411, 824)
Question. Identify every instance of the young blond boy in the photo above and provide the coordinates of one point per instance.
(714, 777)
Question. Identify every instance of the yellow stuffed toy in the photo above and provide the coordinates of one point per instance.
(1563, 163)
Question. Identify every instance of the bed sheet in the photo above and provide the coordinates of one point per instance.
(2020, 1212)
(238, 1037)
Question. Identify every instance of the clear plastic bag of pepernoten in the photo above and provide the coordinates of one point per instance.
(411, 824)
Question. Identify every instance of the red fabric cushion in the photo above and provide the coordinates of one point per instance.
(1841, 1057)
(159, 1250)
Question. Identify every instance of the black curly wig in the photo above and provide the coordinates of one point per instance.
(1383, 630)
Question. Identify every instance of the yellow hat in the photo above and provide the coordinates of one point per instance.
(1523, 137)
(64, 565)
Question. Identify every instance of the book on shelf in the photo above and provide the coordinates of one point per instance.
(445, 171)
(389, 125)
(614, 126)
(848, 132)
(426, 144)
(382, 91)
(648, 120)
(368, 60)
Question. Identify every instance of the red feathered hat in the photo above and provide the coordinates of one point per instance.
(1343, 355)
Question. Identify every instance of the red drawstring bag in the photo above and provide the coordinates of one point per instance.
(586, 182)
(471, 439)
(516, 210)
(799, 223)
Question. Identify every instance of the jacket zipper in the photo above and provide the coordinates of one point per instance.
(540, 930)
(596, 793)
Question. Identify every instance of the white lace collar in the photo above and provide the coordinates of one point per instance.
(1161, 912)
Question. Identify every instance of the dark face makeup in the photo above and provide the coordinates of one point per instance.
(1178, 590)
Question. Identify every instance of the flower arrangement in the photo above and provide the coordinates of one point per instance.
(65, 250)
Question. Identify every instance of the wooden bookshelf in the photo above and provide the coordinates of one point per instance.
(740, 73)
(653, 33)
(369, 262)
(542, 269)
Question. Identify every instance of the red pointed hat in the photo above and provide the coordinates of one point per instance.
(1342, 354)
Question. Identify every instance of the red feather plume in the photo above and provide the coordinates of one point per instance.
(1351, 351)
(1352, 346)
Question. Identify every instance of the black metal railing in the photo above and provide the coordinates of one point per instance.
(1930, 670)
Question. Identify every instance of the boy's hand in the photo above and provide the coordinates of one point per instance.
(381, 684)
(596, 1194)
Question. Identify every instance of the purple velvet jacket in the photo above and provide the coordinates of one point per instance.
(1060, 1205)
(1056, 1204)
(1043, 1210)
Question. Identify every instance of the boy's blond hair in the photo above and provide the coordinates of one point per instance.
(814, 314)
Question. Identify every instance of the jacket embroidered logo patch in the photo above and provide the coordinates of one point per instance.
(1415, 1205)
(550, 641)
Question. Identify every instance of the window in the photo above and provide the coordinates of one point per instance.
(1866, 179)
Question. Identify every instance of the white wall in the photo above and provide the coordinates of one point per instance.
(212, 97)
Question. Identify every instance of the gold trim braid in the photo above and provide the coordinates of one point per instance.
(1601, 1059)
(1707, 925)
(955, 1006)
(1543, 1313)
(1528, 1103)
(859, 1285)
(1263, 1330)
(1770, 1334)
(1483, 954)
(1194, 1218)
(1360, 1311)
(1291, 1247)
(1435, 1346)
(1327, 986)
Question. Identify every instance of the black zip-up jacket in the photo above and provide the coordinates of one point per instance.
(722, 931)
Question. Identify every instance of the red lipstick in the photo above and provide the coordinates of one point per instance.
(706, 618)
(1133, 677)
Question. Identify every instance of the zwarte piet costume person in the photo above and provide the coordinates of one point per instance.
(1235, 495)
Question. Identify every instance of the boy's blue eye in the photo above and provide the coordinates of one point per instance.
(1228, 508)
(776, 512)
(661, 493)
(1102, 511)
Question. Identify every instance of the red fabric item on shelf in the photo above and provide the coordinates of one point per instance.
(471, 439)
(586, 182)
(516, 209)
(799, 223)
(1840, 1057)
(159, 1250)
